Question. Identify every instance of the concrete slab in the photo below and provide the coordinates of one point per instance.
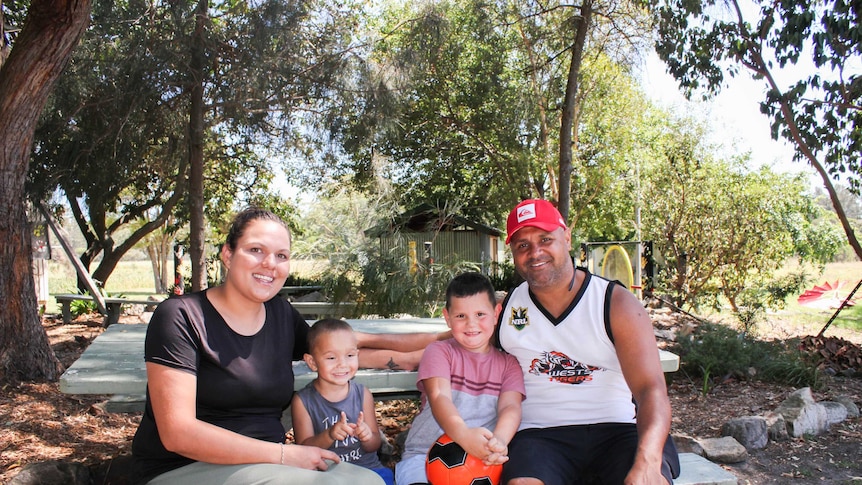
(697, 470)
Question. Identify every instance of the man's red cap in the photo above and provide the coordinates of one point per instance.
(534, 213)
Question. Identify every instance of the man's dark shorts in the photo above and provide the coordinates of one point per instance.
(568, 455)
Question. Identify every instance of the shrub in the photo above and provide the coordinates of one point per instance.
(504, 277)
(715, 352)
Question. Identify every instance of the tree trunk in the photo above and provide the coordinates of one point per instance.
(569, 119)
(197, 232)
(39, 55)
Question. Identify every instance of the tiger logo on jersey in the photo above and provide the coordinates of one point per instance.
(561, 368)
(519, 318)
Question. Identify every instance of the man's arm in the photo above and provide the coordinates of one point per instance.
(638, 354)
(394, 351)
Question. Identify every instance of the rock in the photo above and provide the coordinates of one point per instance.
(52, 473)
(776, 427)
(687, 444)
(852, 408)
(750, 431)
(835, 412)
(802, 414)
(724, 450)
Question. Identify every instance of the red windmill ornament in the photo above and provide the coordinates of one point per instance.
(827, 296)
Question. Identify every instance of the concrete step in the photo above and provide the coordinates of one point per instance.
(697, 470)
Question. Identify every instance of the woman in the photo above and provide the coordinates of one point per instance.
(219, 376)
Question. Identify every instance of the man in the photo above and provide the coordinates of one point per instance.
(588, 353)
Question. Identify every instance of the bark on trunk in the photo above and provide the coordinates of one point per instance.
(569, 119)
(197, 231)
(39, 55)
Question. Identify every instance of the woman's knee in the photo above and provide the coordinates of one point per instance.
(349, 474)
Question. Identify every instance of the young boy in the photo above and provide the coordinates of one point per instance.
(334, 412)
(469, 389)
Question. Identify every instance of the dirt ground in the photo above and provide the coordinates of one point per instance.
(40, 424)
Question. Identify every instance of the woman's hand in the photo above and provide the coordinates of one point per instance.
(308, 457)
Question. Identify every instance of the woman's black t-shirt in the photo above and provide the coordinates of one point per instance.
(244, 383)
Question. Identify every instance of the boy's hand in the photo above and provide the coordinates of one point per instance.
(475, 442)
(362, 430)
(498, 452)
(342, 429)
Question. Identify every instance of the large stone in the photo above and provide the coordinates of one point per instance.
(52, 473)
(852, 408)
(803, 415)
(750, 431)
(687, 444)
(724, 450)
(835, 412)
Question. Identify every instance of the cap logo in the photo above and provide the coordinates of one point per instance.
(527, 211)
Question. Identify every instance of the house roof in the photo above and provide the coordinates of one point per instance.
(426, 217)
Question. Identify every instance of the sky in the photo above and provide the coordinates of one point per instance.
(733, 116)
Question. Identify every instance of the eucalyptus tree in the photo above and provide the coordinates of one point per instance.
(466, 102)
(558, 41)
(110, 140)
(38, 54)
(181, 107)
(819, 110)
(442, 117)
(254, 70)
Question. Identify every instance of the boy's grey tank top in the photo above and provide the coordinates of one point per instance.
(324, 414)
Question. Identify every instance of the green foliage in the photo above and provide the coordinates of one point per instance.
(504, 277)
(391, 285)
(382, 282)
(82, 307)
(723, 230)
(113, 140)
(463, 103)
(715, 352)
(753, 302)
(87, 307)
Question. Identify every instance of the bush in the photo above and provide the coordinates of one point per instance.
(504, 277)
(82, 307)
(391, 285)
(715, 352)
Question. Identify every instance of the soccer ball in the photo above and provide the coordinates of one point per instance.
(449, 464)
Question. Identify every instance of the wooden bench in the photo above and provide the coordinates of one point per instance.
(113, 305)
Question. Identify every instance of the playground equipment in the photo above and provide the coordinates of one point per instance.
(629, 262)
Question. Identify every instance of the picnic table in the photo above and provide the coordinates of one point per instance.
(114, 305)
(290, 291)
(113, 364)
